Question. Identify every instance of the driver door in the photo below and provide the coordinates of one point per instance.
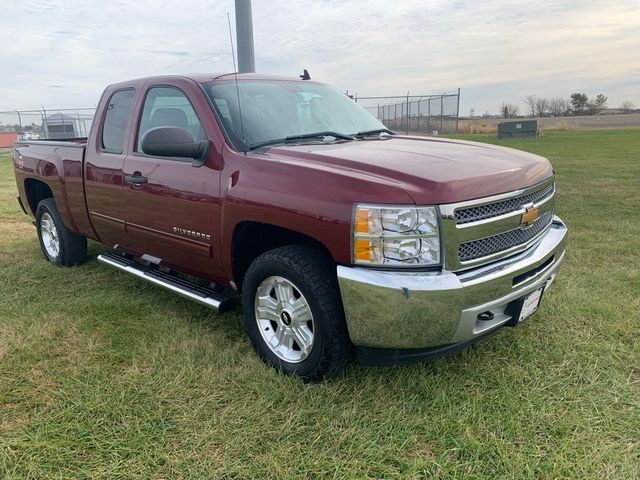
(172, 207)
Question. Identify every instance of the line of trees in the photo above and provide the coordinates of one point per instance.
(17, 128)
(627, 106)
(577, 104)
(539, 106)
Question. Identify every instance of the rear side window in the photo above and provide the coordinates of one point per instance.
(115, 121)
(168, 107)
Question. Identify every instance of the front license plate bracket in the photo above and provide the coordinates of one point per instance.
(521, 309)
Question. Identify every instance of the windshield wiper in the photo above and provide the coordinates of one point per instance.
(341, 136)
(365, 133)
(304, 136)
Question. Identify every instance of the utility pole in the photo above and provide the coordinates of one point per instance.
(244, 37)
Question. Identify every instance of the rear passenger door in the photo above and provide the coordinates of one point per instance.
(104, 165)
(174, 214)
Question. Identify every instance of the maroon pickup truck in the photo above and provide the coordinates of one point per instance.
(339, 236)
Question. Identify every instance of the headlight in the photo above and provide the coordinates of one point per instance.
(396, 236)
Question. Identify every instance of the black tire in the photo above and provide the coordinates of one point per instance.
(72, 248)
(313, 274)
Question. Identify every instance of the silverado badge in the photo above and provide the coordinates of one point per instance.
(529, 216)
(191, 233)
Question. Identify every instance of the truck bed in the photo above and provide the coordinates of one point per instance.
(69, 142)
(59, 165)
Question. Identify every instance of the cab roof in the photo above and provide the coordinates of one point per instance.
(204, 78)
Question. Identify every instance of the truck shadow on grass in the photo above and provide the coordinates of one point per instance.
(142, 307)
(132, 319)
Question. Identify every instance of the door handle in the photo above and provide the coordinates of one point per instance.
(136, 178)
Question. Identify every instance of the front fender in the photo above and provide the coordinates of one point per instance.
(312, 199)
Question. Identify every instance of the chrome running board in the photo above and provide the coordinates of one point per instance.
(181, 286)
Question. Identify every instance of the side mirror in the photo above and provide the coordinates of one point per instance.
(174, 142)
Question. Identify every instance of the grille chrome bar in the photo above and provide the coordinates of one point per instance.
(489, 210)
(484, 247)
(496, 229)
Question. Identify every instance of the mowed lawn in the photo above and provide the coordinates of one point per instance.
(104, 376)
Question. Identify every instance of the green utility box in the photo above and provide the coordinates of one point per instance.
(525, 128)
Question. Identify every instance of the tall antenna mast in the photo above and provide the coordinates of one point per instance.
(235, 75)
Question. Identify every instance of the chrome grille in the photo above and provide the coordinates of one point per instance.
(490, 210)
(503, 241)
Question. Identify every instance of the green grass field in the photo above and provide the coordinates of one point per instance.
(103, 376)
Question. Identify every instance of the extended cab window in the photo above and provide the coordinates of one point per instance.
(115, 121)
(168, 107)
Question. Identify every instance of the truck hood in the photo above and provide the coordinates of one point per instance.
(430, 170)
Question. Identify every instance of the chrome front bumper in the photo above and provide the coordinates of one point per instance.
(427, 310)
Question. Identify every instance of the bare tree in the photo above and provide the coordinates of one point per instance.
(530, 102)
(558, 106)
(542, 105)
(627, 106)
(509, 110)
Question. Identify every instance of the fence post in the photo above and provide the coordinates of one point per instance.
(19, 122)
(45, 128)
(441, 113)
(64, 125)
(429, 116)
(395, 116)
(458, 111)
(408, 116)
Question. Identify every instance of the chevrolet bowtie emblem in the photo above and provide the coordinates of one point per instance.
(529, 216)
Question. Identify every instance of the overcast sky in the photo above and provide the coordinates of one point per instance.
(62, 53)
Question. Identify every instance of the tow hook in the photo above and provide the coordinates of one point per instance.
(485, 316)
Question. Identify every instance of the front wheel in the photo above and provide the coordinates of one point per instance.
(293, 312)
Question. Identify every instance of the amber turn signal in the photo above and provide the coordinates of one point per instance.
(362, 249)
(362, 221)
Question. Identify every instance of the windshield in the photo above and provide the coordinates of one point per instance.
(276, 109)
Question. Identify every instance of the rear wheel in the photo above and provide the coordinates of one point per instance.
(293, 312)
(59, 245)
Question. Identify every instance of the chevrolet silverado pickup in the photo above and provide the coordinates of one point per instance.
(339, 237)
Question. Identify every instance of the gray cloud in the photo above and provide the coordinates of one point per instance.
(64, 52)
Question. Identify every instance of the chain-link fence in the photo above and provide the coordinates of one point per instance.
(417, 114)
(58, 123)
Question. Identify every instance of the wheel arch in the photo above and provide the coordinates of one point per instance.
(36, 191)
(251, 239)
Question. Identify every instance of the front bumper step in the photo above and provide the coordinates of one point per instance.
(170, 281)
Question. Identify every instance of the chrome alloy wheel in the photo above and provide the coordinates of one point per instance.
(284, 319)
(49, 234)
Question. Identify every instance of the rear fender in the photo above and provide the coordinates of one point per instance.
(31, 172)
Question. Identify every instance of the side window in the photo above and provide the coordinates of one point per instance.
(168, 107)
(115, 121)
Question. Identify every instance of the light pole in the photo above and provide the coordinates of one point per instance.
(244, 36)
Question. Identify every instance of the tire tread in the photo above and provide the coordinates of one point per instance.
(319, 273)
(73, 247)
